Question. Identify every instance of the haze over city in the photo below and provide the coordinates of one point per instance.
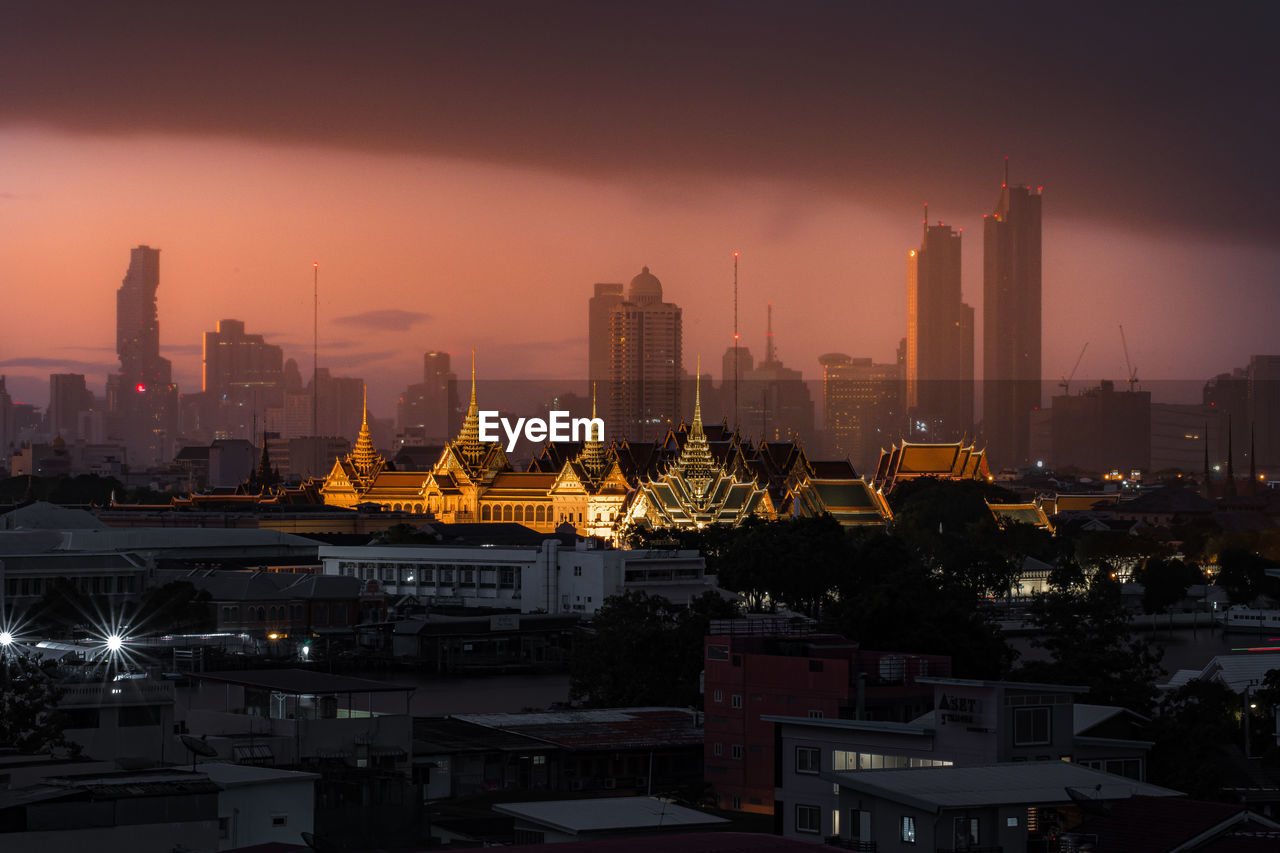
(464, 174)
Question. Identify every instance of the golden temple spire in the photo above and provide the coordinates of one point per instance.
(364, 457)
(593, 450)
(695, 462)
(469, 438)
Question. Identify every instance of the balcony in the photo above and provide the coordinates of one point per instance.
(104, 694)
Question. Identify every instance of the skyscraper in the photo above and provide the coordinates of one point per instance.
(69, 398)
(862, 408)
(939, 357)
(645, 362)
(1011, 323)
(243, 379)
(599, 345)
(142, 399)
(427, 412)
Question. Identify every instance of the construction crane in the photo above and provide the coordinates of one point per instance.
(1065, 384)
(1133, 371)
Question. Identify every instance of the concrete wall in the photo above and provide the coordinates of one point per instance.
(251, 811)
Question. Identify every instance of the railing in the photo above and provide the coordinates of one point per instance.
(989, 849)
(850, 844)
(125, 692)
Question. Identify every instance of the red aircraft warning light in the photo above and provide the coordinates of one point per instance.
(140, 388)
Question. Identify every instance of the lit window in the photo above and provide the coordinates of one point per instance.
(908, 829)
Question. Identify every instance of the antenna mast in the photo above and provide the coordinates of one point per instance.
(769, 353)
(735, 340)
(315, 348)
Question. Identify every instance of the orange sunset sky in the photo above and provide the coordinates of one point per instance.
(463, 176)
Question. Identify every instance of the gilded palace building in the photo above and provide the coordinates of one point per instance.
(696, 475)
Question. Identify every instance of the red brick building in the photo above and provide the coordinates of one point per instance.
(752, 669)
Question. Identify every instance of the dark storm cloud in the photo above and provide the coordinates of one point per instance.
(1153, 115)
(387, 319)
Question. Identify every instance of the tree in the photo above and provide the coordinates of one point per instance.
(795, 561)
(889, 600)
(1165, 583)
(173, 608)
(1195, 723)
(951, 528)
(643, 650)
(1086, 631)
(1114, 554)
(62, 607)
(30, 721)
(1243, 574)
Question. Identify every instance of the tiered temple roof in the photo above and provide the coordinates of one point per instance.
(945, 461)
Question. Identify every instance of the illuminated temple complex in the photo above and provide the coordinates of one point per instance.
(694, 476)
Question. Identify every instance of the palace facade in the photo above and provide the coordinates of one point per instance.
(696, 475)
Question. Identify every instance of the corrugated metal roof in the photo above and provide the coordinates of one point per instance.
(608, 813)
(1029, 782)
(620, 728)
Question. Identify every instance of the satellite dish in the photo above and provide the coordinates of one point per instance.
(199, 746)
(1088, 804)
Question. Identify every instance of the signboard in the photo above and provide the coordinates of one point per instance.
(505, 622)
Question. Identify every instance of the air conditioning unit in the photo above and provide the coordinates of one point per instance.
(610, 784)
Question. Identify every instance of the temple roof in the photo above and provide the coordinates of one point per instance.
(364, 458)
(944, 460)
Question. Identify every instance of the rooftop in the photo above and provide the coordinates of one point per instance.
(609, 813)
(302, 681)
(1006, 685)
(616, 728)
(1029, 782)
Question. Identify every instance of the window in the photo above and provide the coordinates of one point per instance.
(815, 715)
(577, 571)
(808, 819)
(718, 695)
(735, 700)
(737, 802)
(278, 820)
(224, 828)
(717, 750)
(735, 751)
(507, 577)
(908, 829)
(717, 652)
(1032, 726)
(807, 759)
(965, 832)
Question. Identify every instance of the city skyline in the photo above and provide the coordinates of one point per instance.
(411, 225)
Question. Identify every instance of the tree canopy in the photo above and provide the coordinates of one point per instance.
(641, 649)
